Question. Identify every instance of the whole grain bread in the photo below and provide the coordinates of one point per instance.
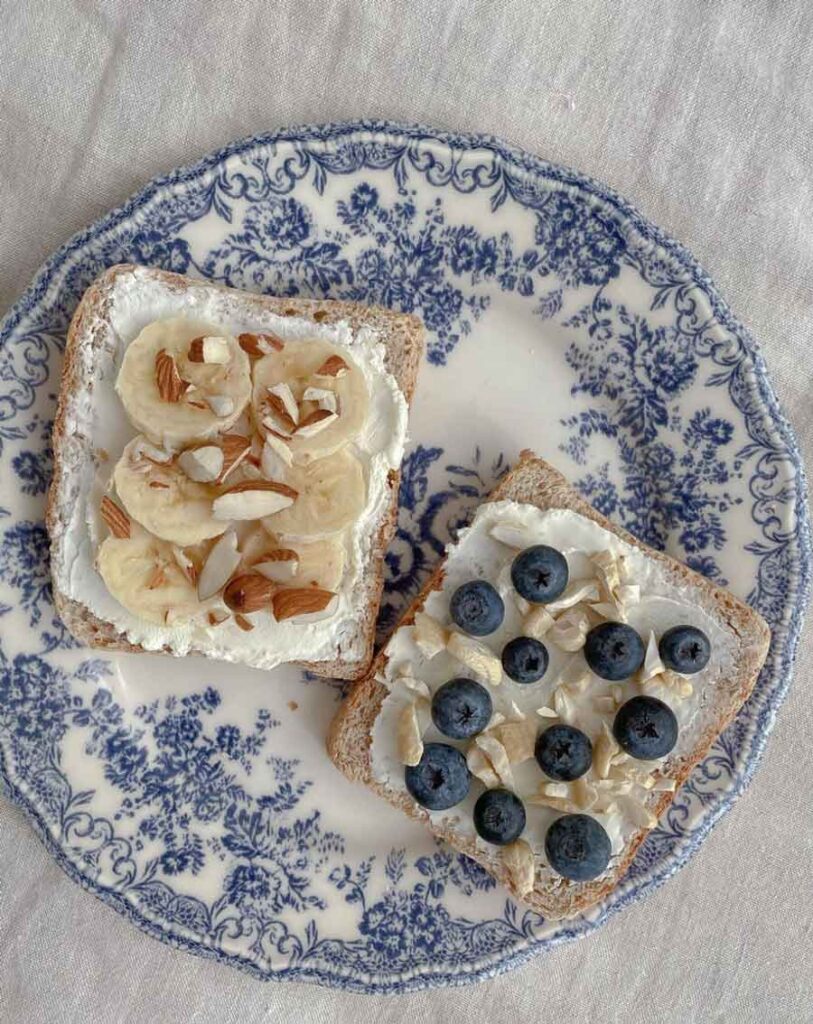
(402, 336)
(349, 741)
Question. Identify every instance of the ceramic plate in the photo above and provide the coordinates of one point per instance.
(196, 797)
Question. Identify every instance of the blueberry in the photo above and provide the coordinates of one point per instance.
(477, 608)
(577, 847)
(614, 651)
(539, 574)
(685, 649)
(524, 659)
(646, 728)
(461, 708)
(440, 779)
(499, 816)
(563, 752)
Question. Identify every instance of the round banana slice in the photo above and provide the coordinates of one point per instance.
(183, 380)
(332, 493)
(163, 499)
(313, 395)
(319, 563)
(143, 575)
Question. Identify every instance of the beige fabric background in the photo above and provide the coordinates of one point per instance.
(701, 113)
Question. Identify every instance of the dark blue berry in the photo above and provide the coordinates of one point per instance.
(477, 608)
(646, 728)
(577, 847)
(440, 779)
(539, 574)
(685, 649)
(614, 651)
(524, 659)
(461, 708)
(563, 752)
(499, 816)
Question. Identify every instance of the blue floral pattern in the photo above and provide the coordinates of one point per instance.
(674, 432)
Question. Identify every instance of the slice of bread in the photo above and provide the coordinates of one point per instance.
(91, 338)
(350, 739)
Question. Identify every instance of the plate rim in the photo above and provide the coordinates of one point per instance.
(801, 573)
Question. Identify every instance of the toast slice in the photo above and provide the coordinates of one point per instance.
(94, 347)
(351, 736)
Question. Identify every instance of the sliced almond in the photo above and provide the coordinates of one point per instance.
(324, 398)
(221, 405)
(184, 563)
(575, 592)
(204, 464)
(302, 602)
(513, 535)
(167, 379)
(413, 685)
(546, 712)
(256, 345)
(557, 803)
(563, 705)
(408, 735)
(497, 755)
(236, 449)
(333, 367)
(280, 565)
(144, 449)
(217, 617)
(157, 485)
(209, 349)
(281, 400)
(608, 573)
(276, 457)
(518, 739)
(652, 666)
(604, 748)
(253, 499)
(245, 624)
(249, 593)
(570, 630)
(115, 518)
(316, 422)
(537, 622)
(476, 656)
(583, 794)
(610, 611)
(481, 768)
(430, 637)
(220, 563)
(518, 860)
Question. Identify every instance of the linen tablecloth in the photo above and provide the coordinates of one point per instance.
(701, 113)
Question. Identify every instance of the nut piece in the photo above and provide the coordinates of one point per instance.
(518, 740)
(334, 367)
(143, 449)
(563, 705)
(253, 499)
(636, 812)
(217, 617)
(167, 379)
(570, 629)
(604, 749)
(236, 447)
(537, 622)
(249, 593)
(115, 518)
(211, 349)
(185, 564)
(245, 624)
(476, 656)
(221, 405)
(652, 666)
(276, 457)
(430, 637)
(518, 860)
(221, 562)
(497, 757)
(316, 422)
(575, 592)
(256, 345)
(481, 768)
(280, 566)
(513, 535)
(408, 735)
(309, 604)
(323, 397)
(204, 464)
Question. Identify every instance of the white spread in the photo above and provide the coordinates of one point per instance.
(478, 555)
(95, 411)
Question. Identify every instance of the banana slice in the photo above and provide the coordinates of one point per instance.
(319, 564)
(331, 493)
(163, 499)
(317, 367)
(144, 576)
(171, 393)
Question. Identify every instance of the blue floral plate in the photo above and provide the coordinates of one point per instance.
(196, 797)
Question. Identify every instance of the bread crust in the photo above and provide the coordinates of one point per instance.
(349, 740)
(403, 338)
